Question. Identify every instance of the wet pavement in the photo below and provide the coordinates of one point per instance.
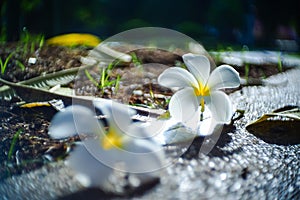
(243, 167)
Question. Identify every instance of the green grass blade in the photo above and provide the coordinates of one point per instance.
(13, 144)
(103, 75)
(19, 64)
(3, 67)
(279, 63)
(89, 76)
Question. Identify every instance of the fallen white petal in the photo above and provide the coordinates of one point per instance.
(73, 120)
(90, 171)
(119, 115)
(147, 155)
(136, 156)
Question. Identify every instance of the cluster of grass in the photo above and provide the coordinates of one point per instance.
(27, 45)
(155, 102)
(4, 63)
(30, 43)
(136, 61)
(111, 81)
(106, 78)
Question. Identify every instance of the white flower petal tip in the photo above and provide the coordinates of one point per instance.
(221, 107)
(198, 65)
(89, 170)
(207, 127)
(224, 76)
(178, 105)
(73, 120)
(149, 157)
(178, 134)
(176, 77)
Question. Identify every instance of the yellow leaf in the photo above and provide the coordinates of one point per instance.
(35, 104)
(74, 39)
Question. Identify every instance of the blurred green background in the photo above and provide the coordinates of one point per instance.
(255, 23)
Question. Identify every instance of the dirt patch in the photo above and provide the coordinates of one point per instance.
(48, 59)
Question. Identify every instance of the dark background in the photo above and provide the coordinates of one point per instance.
(256, 23)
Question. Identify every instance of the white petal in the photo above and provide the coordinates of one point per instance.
(179, 133)
(142, 130)
(183, 105)
(119, 115)
(207, 126)
(147, 156)
(224, 76)
(177, 77)
(107, 157)
(220, 107)
(89, 170)
(73, 120)
(157, 128)
(137, 156)
(198, 65)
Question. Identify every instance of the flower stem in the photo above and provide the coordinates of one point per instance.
(202, 108)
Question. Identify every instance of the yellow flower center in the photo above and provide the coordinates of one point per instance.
(202, 91)
(112, 140)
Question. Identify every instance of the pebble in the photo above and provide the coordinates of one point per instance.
(32, 60)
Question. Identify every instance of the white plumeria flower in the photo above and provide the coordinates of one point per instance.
(124, 146)
(200, 88)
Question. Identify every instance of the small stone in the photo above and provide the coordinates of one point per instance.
(223, 176)
(32, 60)
(211, 165)
(138, 92)
(134, 181)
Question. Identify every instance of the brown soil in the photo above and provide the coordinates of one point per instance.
(49, 59)
(31, 148)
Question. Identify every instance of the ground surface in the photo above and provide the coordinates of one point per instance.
(33, 144)
(240, 166)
